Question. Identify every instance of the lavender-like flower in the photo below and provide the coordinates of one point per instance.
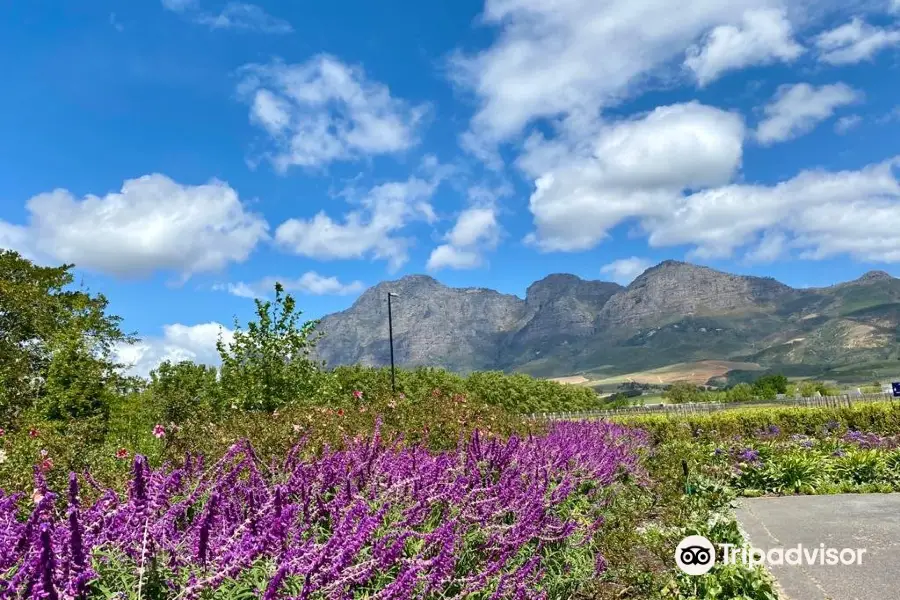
(337, 522)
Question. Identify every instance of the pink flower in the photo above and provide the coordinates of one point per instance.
(158, 431)
(121, 453)
(357, 394)
(46, 464)
(32, 432)
(2, 432)
(340, 412)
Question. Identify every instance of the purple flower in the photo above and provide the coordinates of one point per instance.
(337, 522)
(749, 455)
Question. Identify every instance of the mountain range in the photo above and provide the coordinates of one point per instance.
(673, 312)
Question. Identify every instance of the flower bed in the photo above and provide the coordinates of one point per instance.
(493, 519)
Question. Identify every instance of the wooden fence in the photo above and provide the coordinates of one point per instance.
(709, 407)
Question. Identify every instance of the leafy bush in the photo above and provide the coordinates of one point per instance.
(268, 365)
(682, 392)
(185, 390)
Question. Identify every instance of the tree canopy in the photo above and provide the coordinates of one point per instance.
(53, 338)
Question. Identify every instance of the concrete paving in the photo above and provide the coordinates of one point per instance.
(869, 521)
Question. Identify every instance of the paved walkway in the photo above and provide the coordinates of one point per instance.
(870, 521)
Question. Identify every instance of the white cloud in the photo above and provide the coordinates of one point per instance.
(310, 283)
(179, 6)
(625, 270)
(447, 256)
(556, 59)
(475, 231)
(854, 42)
(772, 246)
(367, 231)
(764, 36)
(248, 17)
(845, 124)
(152, 224)
(633, 167)
(179, 342)
(796, 110)
(323, 111)
(234, 15)
(816, 213)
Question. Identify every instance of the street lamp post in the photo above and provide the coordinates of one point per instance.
(391, 339)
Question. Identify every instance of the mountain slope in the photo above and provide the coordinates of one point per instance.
(673, 312)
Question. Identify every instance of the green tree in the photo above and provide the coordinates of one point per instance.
(769, 386)
(44, 323)
(681, 392)
(270, 364)
(184, 389)
(742, 392)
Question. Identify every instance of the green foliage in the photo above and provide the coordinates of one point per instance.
(808, 389)
(52, 339)
(769, 386)
(742, 392)
(269, 365)
(682, 392)
(876, 417)
(77, 384)
(185, 390)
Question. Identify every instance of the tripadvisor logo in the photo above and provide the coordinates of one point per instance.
(696, 555)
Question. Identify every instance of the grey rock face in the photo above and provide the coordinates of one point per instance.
(433, 325)
(673, 290)
(565, 320)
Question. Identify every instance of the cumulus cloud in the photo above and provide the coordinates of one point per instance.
(310, 283)
(475, 231)
(625, 270)
(578, 56)
(817, 214)
(631, 167)
(179, 342)
(368, 231)
(854, 42)
(323, 111)
(797, 109)
(764, 36)
(152, 224)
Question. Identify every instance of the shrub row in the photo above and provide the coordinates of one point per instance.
(882, 417)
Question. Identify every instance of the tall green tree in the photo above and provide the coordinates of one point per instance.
(270, 364)
(43, 321)
(183, 390)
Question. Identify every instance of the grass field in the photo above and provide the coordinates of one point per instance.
(695, 372)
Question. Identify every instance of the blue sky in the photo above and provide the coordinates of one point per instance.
(184, 153)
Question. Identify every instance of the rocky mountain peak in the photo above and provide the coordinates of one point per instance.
(559, 285)
(674, 290)
(872, 276)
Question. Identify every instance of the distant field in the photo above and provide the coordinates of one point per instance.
(574, 379)
(695, 372)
